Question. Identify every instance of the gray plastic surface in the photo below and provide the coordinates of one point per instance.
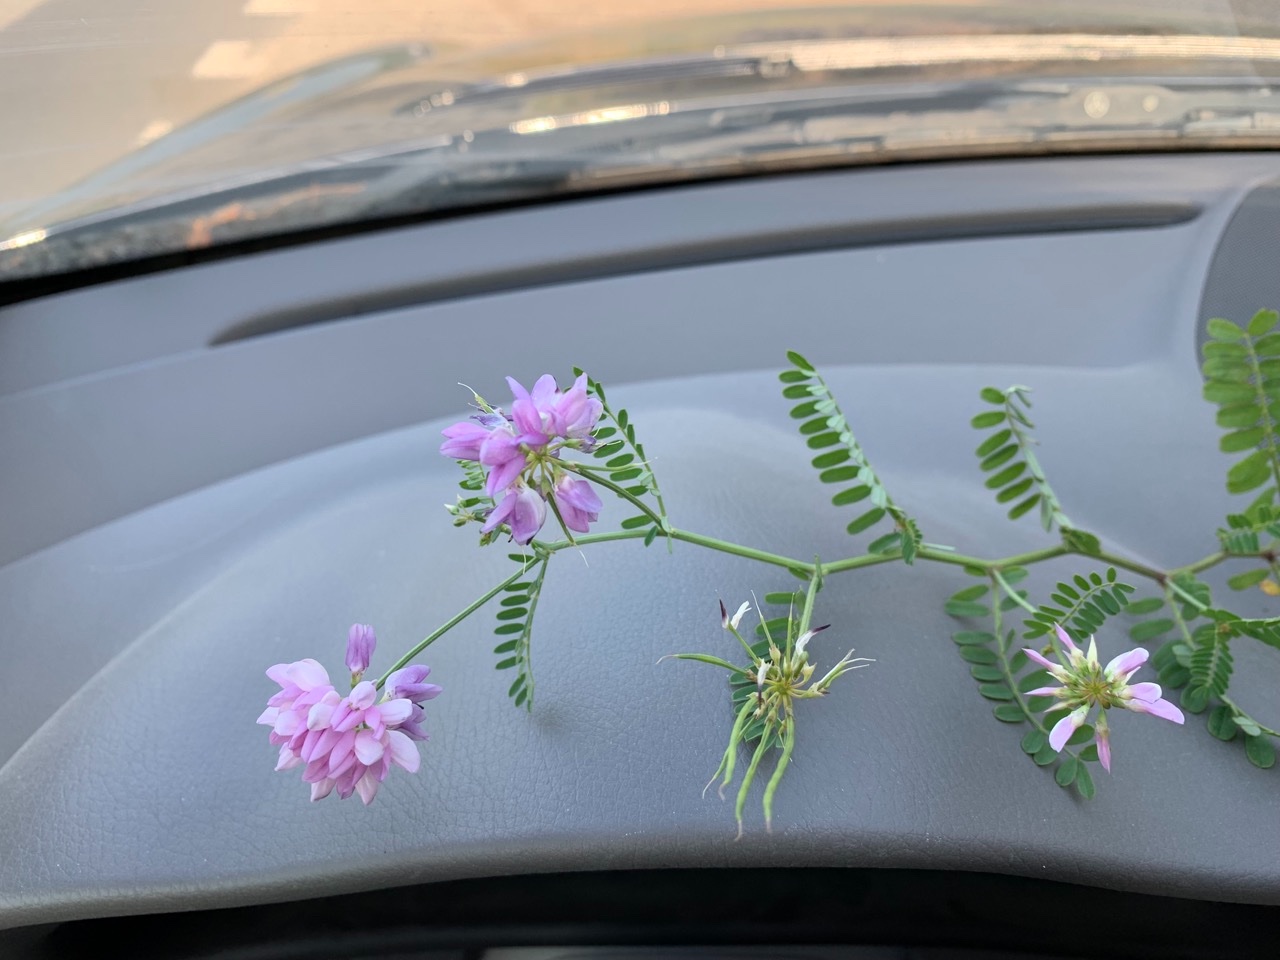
(151, 789)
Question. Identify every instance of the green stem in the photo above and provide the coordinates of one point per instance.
(1188, 598)
(1013, 594)
(788, 745)
(1116, 560)
(1003, 650)
(801, 566)
(623, 493)
(456, 619)
(1204, 563)
(806, 613)
(748, 777)
(1235, 708)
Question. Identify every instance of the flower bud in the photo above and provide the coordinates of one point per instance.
(360, 644)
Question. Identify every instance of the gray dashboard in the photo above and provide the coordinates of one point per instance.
(217, 468)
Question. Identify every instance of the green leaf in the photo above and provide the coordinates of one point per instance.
(1221, 724)
(1195, 699)
(1025, 506)
(800, 363)
(796, 391)
(1149, 629)
(1262, 322)
(828, 439)
(839, 474)
(961, 608)
(1241, 440)
(1220, 329)
(994, 443)
(1250, 578)
(1033, 741)
(1009, 713)
(1084, 782)
(1239, 415)
(995, 691)
(868, 519)
(794, 376)
(1045, 755)
(1089, 753)
(979, 655)
(822, 461)
(1144, 606)
(635, 523)
(1082, 735)
(1261, 751)
(992, 395)
(1006, 476)
(1227, 392)
(507, 664)
(972, 593)
(985, 673)
(1015, 491)
(852, 495)
(1249, 473)
(989, 419)
(1067, 770)
(966, 638)
(1002, 455)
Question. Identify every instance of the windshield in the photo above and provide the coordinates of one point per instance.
(144, 133)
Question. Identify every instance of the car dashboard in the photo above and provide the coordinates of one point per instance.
(219, 467)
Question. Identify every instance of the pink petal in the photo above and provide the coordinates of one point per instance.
(404, 752)
(503, 475)
(1046, 691)
(1126, 663)
(544, 391)
(1161, 708)
(288, 759)
(340, 751)
(287, 723)
(395, 712)
(279, 673)
(321, 790)
(321, 713)
(1104, 751)
(344, 718)
(368, 747)
(367, 787)
(1064, 728)
(269, 716)
(1041, 659)
(362, 695)
(1066, 639)
(1146, 692)
(307, 674)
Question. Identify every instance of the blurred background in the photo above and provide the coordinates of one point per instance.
(84, 82)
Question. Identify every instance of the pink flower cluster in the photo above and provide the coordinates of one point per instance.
(1085, 683)
(522, 452)
(350, 743)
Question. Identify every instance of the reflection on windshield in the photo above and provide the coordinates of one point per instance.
(190, 132)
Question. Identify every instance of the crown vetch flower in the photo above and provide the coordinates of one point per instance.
(1086, 683)
(347, 744)
(522, 451)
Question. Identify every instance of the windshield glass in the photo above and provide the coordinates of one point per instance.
(141, 132)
